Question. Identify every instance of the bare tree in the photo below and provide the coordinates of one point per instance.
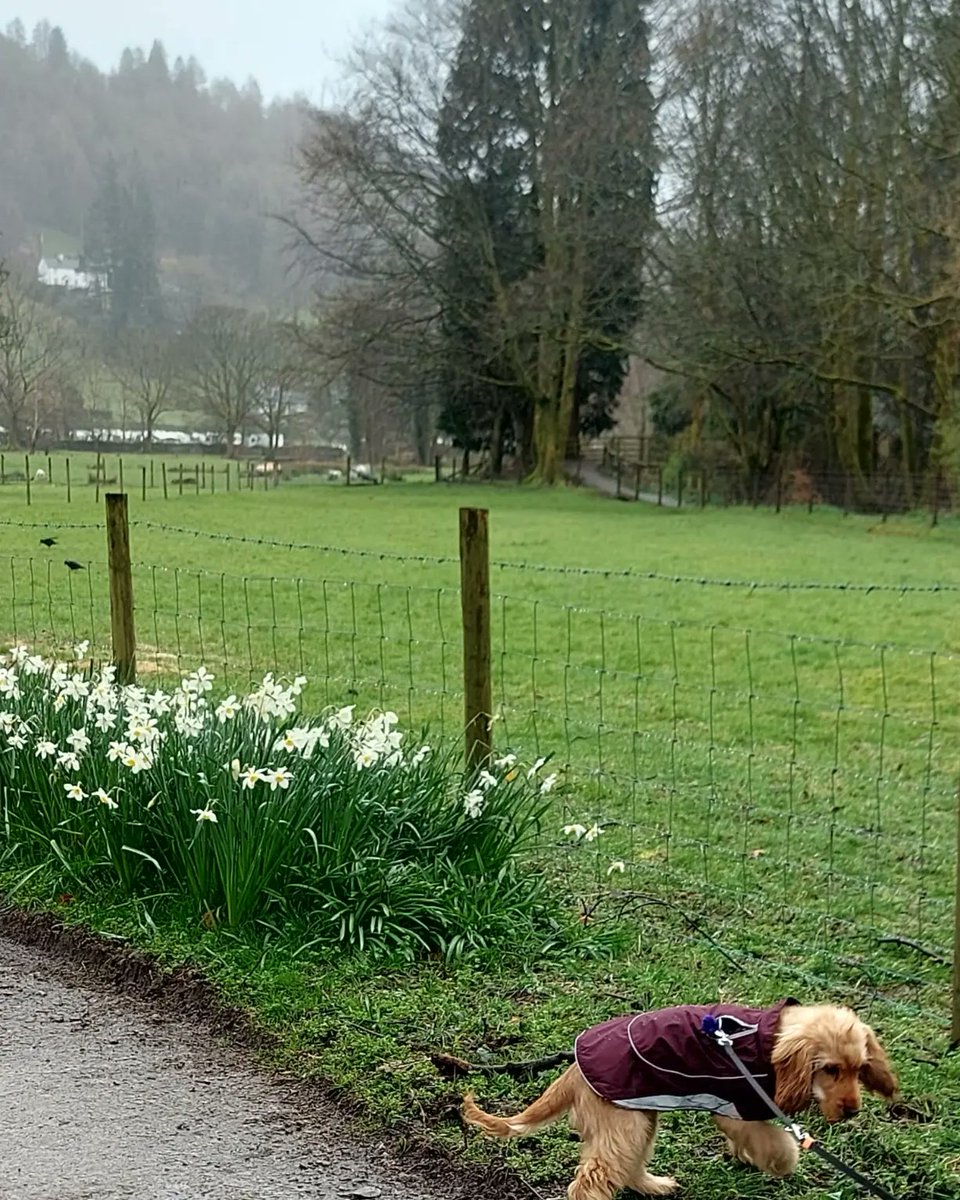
(227, 357)
(283, 373)
(148, 367)
(35, 349)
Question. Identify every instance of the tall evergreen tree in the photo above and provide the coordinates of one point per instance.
(547, 139)
(120, 242)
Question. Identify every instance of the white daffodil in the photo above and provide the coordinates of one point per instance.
(159, 703)
(188, 724)
(421, 756)
(74, 791)
(617, 865)
(343, 718)
(227, 709)
(278, 777)
(105, 799)
(250, 777)
(233, 766)
(16, 740)
(136, 760)
(80, 650)
(69, 760)
(79, 740)
(116, 750)
(204, 814)
(45, 749)
(7, 721)
(592, 833)
(365, 756)
(507, 760)
(549, 783)
(536, 767)
(143, 728)
(105, 720)
(486, 781)
(473, 803)
(75, 688)
(575, 831)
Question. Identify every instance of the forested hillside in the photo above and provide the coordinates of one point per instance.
(209, 161)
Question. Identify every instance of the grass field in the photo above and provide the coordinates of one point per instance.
(770, 755)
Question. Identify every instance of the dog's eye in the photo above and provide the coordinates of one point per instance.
(831, 1069)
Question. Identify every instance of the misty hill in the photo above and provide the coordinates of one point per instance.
(214, 160)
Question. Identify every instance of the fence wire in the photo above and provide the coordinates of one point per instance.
(781, 780)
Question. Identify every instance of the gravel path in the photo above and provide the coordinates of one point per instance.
(101, 1099)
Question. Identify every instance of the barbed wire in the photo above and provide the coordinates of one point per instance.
(704, 581)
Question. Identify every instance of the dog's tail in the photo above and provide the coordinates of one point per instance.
(554, 1102)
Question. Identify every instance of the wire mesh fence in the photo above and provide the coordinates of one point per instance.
(799, 782)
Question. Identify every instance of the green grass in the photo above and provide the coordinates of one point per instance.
(779, 764)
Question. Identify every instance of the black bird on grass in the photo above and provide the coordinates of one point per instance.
(73, 566)
(48, 541)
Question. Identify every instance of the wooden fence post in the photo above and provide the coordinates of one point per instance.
(163, 472)
(120, 473)
(349, 466)
(437, 468)
(121, 588)
(67, 465)
(97, 493)
(636, 482)
(475, 607)
(49, 469)
(143, 483)
(26, 475)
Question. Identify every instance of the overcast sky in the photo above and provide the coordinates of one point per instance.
(287, 45)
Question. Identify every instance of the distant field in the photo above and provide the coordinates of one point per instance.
(790, 749)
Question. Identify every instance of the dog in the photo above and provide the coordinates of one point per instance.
(630, 1069)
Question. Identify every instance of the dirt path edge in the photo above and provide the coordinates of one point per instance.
(184, 995)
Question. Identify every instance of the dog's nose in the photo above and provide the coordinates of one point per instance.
(849, 1112)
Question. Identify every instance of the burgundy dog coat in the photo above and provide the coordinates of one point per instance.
(662, 1060)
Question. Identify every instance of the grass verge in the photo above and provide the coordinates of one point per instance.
(365, 1030)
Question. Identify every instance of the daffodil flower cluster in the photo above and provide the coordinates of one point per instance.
(245, 804)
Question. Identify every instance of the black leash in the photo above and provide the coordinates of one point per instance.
(711, 1027)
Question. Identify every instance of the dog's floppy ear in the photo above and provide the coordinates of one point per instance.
(793, 1063)
(876, 1073)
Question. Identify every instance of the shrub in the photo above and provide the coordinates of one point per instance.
(256, 812)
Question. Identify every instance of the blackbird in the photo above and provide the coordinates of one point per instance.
(74, 566)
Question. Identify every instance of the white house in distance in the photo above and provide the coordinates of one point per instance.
(59, 271)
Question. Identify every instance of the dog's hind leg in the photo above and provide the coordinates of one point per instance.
(617, 1143)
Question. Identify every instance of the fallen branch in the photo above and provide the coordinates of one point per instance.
(450, 1067)
(895, 940)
